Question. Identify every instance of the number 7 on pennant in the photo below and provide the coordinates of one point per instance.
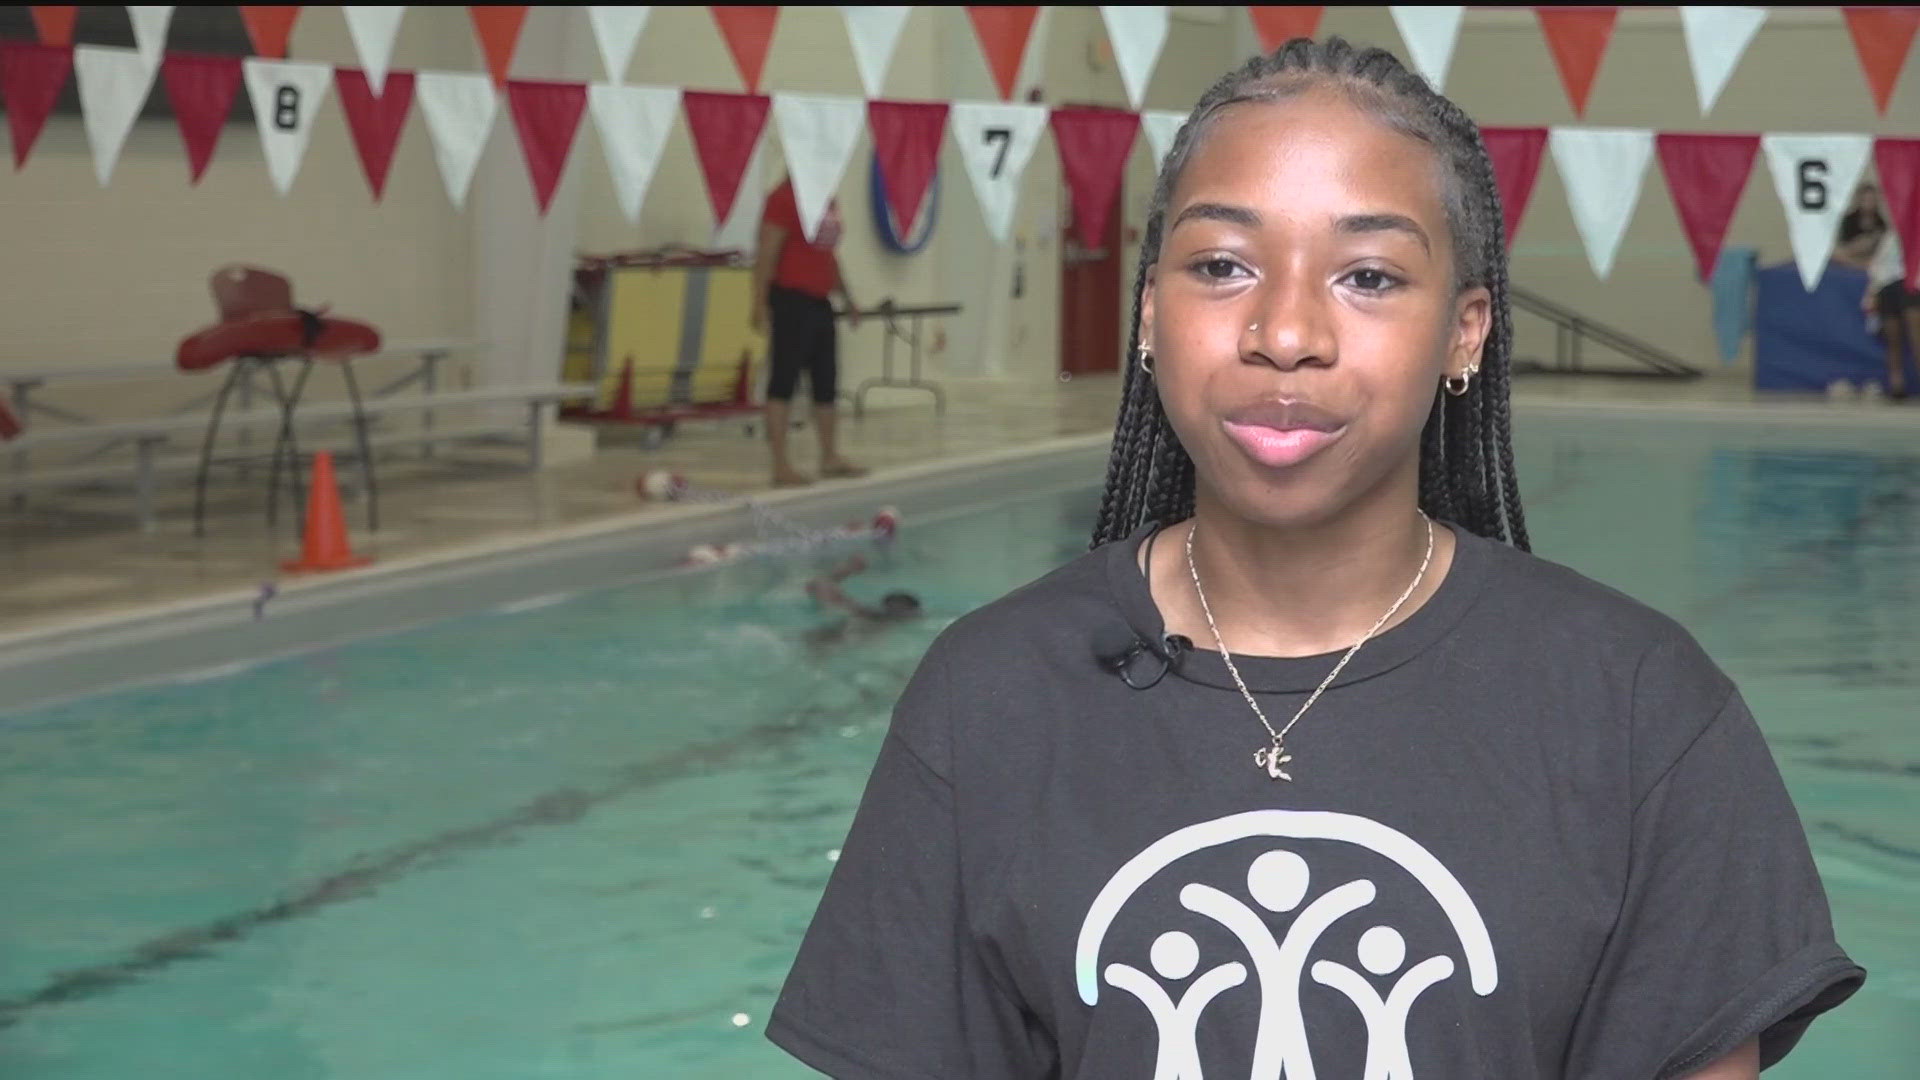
(1003, 136)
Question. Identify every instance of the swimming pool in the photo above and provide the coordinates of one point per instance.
(578, 833)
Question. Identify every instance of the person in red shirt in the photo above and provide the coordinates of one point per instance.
(794, 280)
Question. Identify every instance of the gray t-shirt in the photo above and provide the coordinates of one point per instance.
(1532, 832)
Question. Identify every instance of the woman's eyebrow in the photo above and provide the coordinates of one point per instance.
(1354, 224)
(1206, 211)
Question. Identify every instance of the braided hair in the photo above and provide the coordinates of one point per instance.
(1466, 448)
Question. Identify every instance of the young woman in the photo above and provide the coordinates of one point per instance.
(1309, 769)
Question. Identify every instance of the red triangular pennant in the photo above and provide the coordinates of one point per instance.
(906, 139)
(1094, 144)
(547, 115)
(1578, 38)
(269, 27)
(31, 77)
(202, 89)
(1003, 33)
(1897, 162)
(1515, 153)
(725, 128)
(1882, 36)
(55, 23)
(498, 26)
(375, 121)
(1278, 24)
(1705, 176)
(749, 33)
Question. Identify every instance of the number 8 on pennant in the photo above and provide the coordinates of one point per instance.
(285, 95)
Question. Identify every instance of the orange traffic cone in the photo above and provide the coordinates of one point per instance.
(326, 540)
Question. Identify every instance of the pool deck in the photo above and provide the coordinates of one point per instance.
(71, 562)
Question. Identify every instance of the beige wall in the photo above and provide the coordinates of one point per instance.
(90, 274)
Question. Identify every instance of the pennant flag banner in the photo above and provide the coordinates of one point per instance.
(1705, 175)
(498, 27)
(1602, 169)
(1094, 144)
(1515, 153)
(547, 116)
(1162, 127)
(1138, 33)
(1003, 34)
(113, 86)
(1430, 34)
(31, 78)
(633, 122)
(373, 30)
(269, 28)
(1716, 39)
(286, 94)
(54, 23)
(996, 141)
(374, 120)
(874, 31)
(817, 132)
(906, 140)
(1278, 24)
(202, 89)
(1815, 176)
(150, 33)
(617, 30)
(1578, 38)
(459, 110)
(725, 129)
(1882, 36)
(749, 34)
(1897, 161)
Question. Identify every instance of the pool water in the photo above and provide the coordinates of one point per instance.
(581, 836)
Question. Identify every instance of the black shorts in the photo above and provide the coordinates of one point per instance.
(1893, 300)
(803, 340)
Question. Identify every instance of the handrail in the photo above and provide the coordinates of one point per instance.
(1571, 327)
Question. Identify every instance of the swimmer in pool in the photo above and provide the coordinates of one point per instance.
(897, 606)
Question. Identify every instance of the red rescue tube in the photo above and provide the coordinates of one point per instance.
(274, 335)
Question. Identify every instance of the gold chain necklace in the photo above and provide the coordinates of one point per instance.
(1273, 757)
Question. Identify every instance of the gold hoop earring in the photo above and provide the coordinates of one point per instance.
(1145, 360)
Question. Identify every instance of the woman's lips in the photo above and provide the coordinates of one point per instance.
(1278, 434)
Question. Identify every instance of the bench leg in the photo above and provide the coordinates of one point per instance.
(143, 485)
(536, 432)
(287, 446)
(206, 449)
(366, 450)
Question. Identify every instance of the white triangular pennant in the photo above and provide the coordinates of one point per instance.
(1716, 37)
(633, 122)
(459, 108)
(741, 230)
(150, 32)
(1814, 176)
(996, 141)
(874, 31)
(617, 30)
(373, 30)
(1161, 127)
(1430, 34)
(286, 96)
(113, 86)
(817, 133)
(1602, 169)
(1138, 34)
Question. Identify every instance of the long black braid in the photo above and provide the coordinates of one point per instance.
(1466, 449)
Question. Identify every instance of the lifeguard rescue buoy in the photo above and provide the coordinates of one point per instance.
(279, 334)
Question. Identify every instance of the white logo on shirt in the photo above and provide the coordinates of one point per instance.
(1279, 881)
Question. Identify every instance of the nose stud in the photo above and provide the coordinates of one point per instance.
(1253, 328)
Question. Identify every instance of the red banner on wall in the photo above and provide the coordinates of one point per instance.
(375, 121)
(725, 129)
(1515, 153)
(31, 78)
(1003, 34)
(202, 89)
(1094, 144)
(1278, 24)
(1705, 176)
(498, 27)
(1897, 162)
(906, 139)
(1882, 36)
(269, 27)
(547, 116)
(749, 34)
(1578, 39)
(54, 22)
